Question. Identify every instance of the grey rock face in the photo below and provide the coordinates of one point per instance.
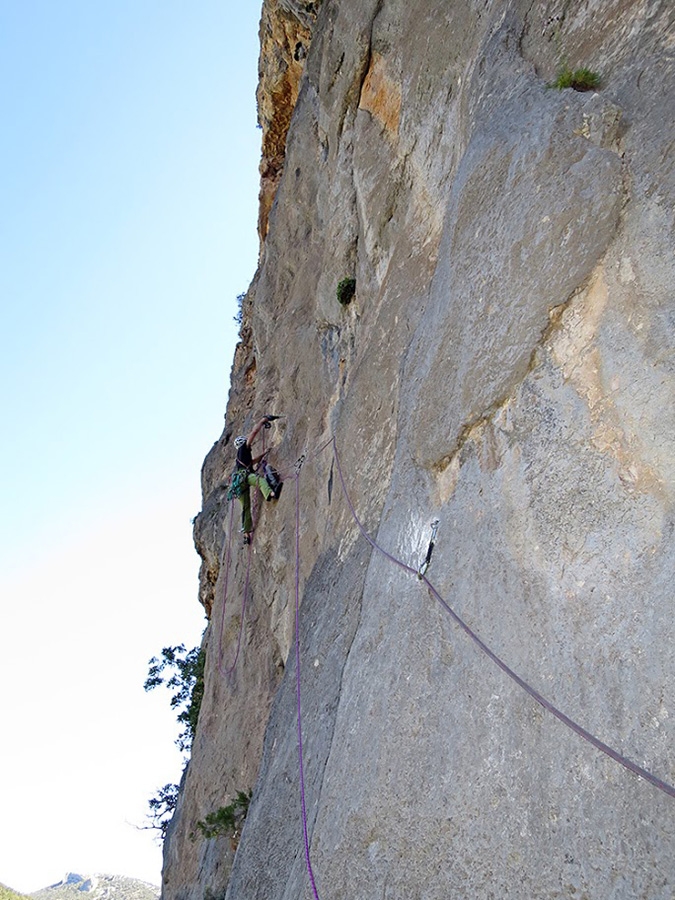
(506, 367)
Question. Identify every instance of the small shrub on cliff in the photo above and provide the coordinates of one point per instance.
(346, 290)
(239, 317)
(578, 79)
(186, 680)
(162, 807)
(227, 819)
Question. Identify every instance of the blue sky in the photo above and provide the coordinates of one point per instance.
(128, 208)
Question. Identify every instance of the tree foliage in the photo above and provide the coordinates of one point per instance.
(239, 316)
(162, 807)
(182, 672)
(8, 894)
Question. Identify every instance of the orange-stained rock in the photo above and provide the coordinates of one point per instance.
(381, 95)
(285, 36)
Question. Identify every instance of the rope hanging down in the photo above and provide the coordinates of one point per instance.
(230, 669)
(296, 477)
(301, 767)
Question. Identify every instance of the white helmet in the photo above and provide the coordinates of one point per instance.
(240, 441)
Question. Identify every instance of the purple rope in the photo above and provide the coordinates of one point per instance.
(227, 577)
(230, 669)
(586, 735)
(297, 679)
(291, 471)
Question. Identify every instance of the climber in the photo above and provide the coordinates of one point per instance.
(245, 477)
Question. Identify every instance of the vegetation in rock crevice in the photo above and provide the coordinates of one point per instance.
(227, 820)
(345, 291)
(577, 79)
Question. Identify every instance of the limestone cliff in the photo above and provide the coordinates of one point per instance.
(507, 366)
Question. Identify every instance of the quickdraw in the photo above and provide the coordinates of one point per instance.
(421, 572)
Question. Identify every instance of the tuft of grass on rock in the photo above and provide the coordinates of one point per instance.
(577, 79)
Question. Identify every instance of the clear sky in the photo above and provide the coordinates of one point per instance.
(128, 205)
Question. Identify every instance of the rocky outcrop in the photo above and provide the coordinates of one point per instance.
(285, 37)
(505, 367)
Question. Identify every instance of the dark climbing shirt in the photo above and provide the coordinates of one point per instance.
(244, 458)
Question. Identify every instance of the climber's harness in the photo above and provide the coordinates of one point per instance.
(238, 483)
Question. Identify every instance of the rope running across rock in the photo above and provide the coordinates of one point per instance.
(570, 723)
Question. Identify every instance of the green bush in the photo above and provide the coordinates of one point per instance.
(227, 819)
(346, 290)
(578, 79)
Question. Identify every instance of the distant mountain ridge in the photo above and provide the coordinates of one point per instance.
(96, 887)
